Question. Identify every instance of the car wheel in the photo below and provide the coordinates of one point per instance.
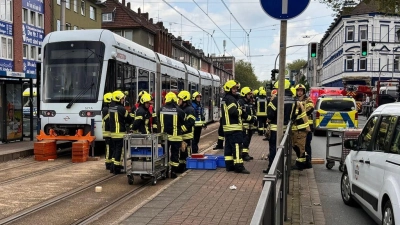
(346, 190)
(387, 214)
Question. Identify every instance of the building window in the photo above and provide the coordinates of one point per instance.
(67, 4)
(128, 34)
(24, 15)
(118, 32)
(92, 13)
(363, 64)
(363, 32)
(33, 18)
(395, 34)
(6, 10)
(6, 48)
(107, 17)
(33, 52)
(58, 25)
(25, 51)
(40, 20)
(75, 6)
(67, 26)
(384, 33)
(82, 7)
(349, 63)
(350, 33)
(396, 63)
(151, 40)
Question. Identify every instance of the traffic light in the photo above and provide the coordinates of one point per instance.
(313, 50)
(273, 74)
(364, 48)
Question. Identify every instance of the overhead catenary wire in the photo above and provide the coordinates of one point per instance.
(219, 28)
(234, 17)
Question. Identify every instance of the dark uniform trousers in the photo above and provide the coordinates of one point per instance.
(221, 138)
(183, 154)
(308, 143)
(272, 147)
(262, 121)
(233, 150)
(118, 150)
(174, 147)
(247, 134)
(196, 139)
(109, 149)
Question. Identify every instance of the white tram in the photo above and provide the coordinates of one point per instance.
(79, 66)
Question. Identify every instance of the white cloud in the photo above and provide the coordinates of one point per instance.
(264, 35)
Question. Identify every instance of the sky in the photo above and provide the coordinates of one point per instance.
(241, 23)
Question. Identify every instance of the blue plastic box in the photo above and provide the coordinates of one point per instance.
(146, 151)
(206, 163)
(220, 160)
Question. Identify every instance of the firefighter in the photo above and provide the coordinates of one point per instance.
(261, 111)
(188, 128)
(300, 129)
(119, 119)
(142, 115)
(232, 125)
(309, 107)
(200, 120)
(106, 130)
(245, 104)
(272, 118)
(172, 121)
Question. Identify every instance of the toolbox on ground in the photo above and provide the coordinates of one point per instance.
(205, 163)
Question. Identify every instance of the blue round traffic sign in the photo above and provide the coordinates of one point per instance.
(284, 9)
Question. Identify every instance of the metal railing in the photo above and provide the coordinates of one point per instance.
(272, 204)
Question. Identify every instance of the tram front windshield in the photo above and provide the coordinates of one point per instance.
(72, 71)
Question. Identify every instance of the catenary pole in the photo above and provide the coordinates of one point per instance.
(281, 79)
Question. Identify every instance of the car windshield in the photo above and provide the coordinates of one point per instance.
(72, 71)
(337, 105)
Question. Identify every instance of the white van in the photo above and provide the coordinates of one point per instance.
(371, 175)
(389, 90)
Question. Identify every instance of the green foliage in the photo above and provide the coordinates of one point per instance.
(296, 64)
(244, 73)
(303, 81)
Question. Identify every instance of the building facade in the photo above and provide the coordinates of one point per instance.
(79, 14)
(341, 61)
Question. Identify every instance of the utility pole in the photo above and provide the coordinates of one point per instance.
(281, 81)
(62, 15)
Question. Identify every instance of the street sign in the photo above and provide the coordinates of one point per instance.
(284, 9)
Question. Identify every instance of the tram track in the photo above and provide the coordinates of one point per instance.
(114, 195)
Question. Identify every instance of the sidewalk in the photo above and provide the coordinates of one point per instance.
(204, 196)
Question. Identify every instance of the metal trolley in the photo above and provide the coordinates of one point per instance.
(146, 156)
(344, 134)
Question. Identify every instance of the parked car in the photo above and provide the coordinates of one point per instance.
(371, 175)
(333, 112)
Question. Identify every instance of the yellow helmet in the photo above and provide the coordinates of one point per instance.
(141, 93)
(117, 96)
(244, 91)
(262, 93)
(184, 95)
(261, 88)
(171, 97)
(300, 86)
(230, 84)
(255, 92)
(287, 84)
(107, 97)
(293, 90)
(146, 97)
(195, 95)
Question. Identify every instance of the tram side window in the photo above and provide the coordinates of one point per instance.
(165, 86)
(120, 72)
(110, 85)
(174, 85)
(181, 85)
(130, 84)
(143, 81)
(152, 83)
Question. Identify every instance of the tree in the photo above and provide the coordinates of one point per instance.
(296, 64)
(303, 81)
(346, 6)
(244, 73)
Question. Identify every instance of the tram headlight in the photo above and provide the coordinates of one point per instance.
(48, 113)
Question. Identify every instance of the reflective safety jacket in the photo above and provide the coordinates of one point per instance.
(199, 114)
(288, 111)
(106, 121)
(231, 115)
(309, 105)
(261, 104)
(189, 122)
(142, 120)
(300, 122)
(119, 120)
(153, 119)
(247, 112)
(172, 121)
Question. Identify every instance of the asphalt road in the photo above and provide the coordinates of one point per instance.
(328, 181)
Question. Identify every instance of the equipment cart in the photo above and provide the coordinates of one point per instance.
(146, 156)
(344, 134)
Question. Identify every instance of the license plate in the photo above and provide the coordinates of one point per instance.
(336, 121)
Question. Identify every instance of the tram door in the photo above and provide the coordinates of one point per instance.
(11, 111)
